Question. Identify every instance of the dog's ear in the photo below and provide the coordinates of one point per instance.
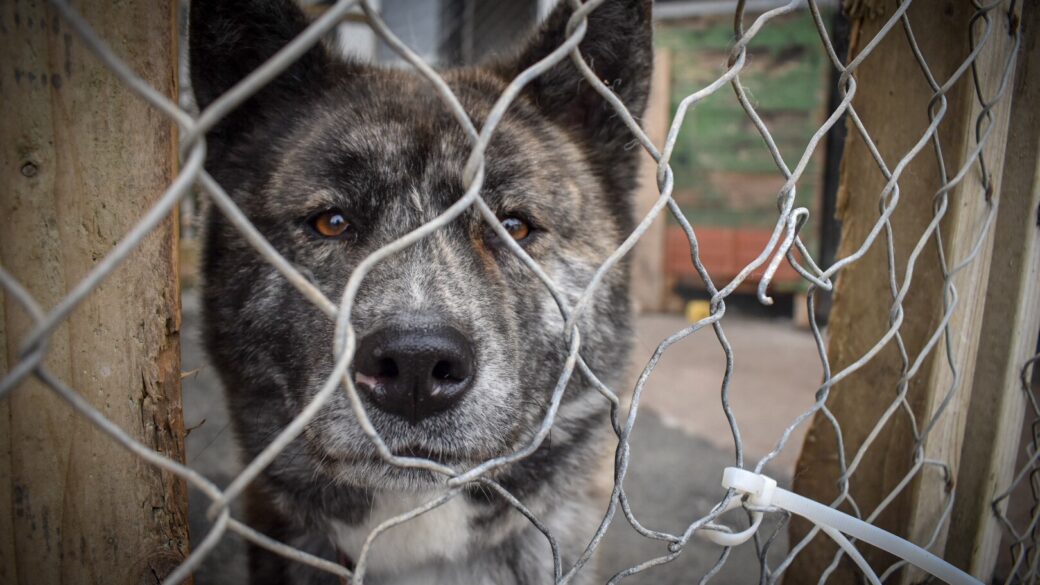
(618, 46)
(231, 38)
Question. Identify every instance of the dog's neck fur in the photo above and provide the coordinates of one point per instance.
(441, 535)
(445, 546)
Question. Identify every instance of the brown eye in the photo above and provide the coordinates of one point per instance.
(517, 228)
(330, 223)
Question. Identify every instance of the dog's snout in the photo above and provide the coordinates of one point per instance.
(415, 372)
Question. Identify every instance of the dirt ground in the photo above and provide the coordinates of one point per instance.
(680, 445)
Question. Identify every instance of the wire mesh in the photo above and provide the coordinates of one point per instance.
(1023, 495)
(784, 244)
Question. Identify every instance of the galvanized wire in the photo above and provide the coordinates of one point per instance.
(1018, 509)
(784, 244)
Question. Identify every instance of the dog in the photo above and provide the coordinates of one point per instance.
(459, 344)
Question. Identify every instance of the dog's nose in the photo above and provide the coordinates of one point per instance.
(414, 372)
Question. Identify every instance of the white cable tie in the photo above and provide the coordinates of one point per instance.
(762, 491)
(759, 489)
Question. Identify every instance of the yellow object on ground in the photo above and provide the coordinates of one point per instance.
(697, 310)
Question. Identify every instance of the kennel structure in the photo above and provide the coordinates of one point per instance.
(917, 425)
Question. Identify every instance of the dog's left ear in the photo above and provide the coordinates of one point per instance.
(618, 46)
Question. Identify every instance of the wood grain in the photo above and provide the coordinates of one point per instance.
(81, 159)
(648, 279)
(1009, 330)
(893, 102)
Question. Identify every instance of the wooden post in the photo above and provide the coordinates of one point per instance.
(1009, 329)
(81, 159)
(892, 101)
(648, 279)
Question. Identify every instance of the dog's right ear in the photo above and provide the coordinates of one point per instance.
(231, 38)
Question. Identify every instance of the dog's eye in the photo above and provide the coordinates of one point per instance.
(516, 227)
(330, 223)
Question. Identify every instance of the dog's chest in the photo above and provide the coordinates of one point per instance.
(440, 535)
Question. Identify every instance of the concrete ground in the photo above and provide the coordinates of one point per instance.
(680, 445)
(776, 372)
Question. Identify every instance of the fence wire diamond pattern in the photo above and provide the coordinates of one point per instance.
(783, 245)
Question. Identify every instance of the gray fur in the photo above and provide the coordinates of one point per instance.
(379, 145)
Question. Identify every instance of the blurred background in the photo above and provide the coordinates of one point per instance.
(726, 183)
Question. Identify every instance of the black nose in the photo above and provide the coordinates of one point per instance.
(415, 371)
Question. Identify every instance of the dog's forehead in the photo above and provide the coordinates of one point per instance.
(395, 135)
(392, 105)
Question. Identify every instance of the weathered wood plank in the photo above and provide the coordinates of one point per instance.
(648, 279)
(1011, 322)
(969, 211)
(80, 160)
(893, 102)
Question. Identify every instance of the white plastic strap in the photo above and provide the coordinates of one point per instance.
(762, 491)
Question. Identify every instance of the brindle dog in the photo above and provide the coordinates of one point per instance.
(459, 344)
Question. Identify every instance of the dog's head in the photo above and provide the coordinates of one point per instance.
(459, 343)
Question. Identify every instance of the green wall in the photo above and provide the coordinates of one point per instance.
(724, 173)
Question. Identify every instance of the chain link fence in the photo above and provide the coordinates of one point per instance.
(1018, 507)
(785, 245)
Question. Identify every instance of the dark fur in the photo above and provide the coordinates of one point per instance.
(380, 145)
